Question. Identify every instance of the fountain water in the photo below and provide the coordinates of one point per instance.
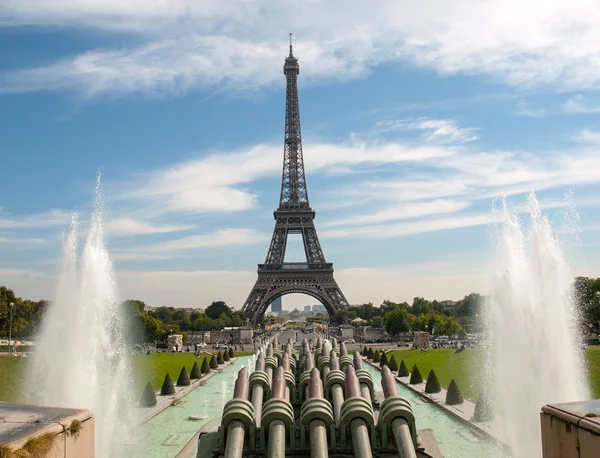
(82, 358)
(223, 390)
(532, 322)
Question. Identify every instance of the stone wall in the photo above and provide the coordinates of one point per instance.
(421, 340)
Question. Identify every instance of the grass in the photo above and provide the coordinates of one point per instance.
(464, 367)
(146, 368)
(12, 371)
(592, 359)
(447, 365)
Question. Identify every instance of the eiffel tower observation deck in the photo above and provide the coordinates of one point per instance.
(293, 216)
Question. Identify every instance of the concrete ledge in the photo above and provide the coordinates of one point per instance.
(21, 422)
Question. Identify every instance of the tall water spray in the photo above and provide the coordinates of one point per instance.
(82, 359)
(533, 324)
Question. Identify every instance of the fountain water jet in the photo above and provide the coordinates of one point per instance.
(82, 357)
(533, 324)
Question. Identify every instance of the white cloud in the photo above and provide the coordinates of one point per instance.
(188, 43)
(409, 228)
(39, 220)
(525, 110)
(588, 136)
(220, 183)
(438, 130)
(178, 247)
(130, 226)
(577, 105)
(402, 211)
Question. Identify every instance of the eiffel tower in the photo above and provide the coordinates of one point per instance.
(294, 216)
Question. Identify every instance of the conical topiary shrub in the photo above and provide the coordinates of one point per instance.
(213, 362)
(483, 408)
(384, 359)
(230, 352)
(226, 356)
(393, 365)
(376, 356)
(167, 387)
(370, 353)
(148, 396)
(205, 369)
(432, 385)
(195, 373)
(184, 378)
(403, 370)
(220, 359)
(453, 396)
(415, 376)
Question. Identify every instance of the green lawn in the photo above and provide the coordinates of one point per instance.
(447, 365)
(12, 371)
(146, 368)
(465, 367)
(592, 357)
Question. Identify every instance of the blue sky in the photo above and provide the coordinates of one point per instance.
(414, 118)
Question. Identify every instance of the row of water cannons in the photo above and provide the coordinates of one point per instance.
(305, 403)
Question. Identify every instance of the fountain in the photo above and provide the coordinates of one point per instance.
(82, 357)
(204, 415)
(223, 390)
(532, 322)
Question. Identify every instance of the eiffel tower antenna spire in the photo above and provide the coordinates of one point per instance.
(293, 216)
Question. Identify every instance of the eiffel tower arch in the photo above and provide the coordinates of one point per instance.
(293, 216)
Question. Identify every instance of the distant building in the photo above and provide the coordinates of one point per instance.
(307, 308)
(276, 305)
(319, 309)
(447, 304)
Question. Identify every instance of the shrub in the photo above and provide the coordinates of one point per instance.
(403, 370)
(432, 385)
(226, 356)
(195, 373)
(415, 376)
(184, 378)
(453, 396)
(167, 387)
(148, 396)
(205, 366)
(393, 365)
(220, 359)
(376, 356)
(483, 408)
(384, 360)
(213, 362)
(230, 352)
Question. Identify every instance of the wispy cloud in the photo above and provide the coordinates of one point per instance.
(186, 44)
(182, 246)
(438, 130)
(526, 110)
(577, 105)
(130, 226)
(34, 221)
(400, 212)
(220, 183)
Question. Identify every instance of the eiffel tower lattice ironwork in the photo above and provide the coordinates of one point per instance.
(294, 216)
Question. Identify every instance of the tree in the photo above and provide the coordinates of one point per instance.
(216, 309)
(397, 321)
(377, 322)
